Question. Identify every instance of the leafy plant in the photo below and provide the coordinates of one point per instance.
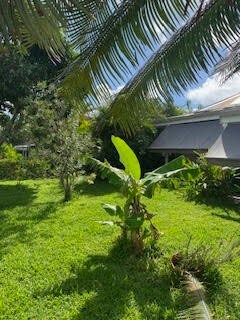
(212, 182)
(134, 218)
(60, 135)
(8, 152)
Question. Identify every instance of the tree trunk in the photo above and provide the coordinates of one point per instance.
(137, 241)
(67, 189)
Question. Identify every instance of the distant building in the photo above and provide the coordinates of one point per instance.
(214, 130)
(24, 148)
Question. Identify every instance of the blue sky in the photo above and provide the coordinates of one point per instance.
(208, 90)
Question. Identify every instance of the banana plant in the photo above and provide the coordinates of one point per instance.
(134, 218)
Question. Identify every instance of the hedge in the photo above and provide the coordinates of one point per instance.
(23, 169)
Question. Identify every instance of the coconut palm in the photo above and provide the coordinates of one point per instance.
(114, 37)
(131, 31)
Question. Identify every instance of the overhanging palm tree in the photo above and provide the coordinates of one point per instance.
(137, 27)
(113, 37)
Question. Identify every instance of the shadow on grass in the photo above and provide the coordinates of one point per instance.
(99, 188)
(226, 217)
(18, 224)
(12, 196)
(112, 285)
(226, 205)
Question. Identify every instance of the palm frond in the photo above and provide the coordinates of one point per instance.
(199, 309)
(175, 65)
(119, 35)
(39, 22)
(230, 65)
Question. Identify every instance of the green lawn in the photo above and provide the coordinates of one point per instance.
(57, 262)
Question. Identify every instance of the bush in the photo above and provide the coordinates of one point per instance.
(8, 152)
(35, 168)
(212, 183)
(8, 169)
(23, 169)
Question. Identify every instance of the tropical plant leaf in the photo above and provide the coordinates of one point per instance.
(230, 65)
(119, 37)
(134, 222)
(115, 176)
(113, 210)
(127, 157)
(196, 295)
(196, 45)
(41, 22)
(176, 168)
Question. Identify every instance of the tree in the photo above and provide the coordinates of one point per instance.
(134, 218)
(127, 35)
(56, 130)
(18, 76)
(112, 37)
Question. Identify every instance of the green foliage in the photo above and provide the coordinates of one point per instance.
(103, 129)
(212, 183)
(25, 24)
(134, 217)
(57, 131)
(9, 169)
(19, 76)
(24, 169)
(127, 158)
(8, 152)
(109, 54)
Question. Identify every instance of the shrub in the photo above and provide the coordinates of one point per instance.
(212, 183)
(8, 152)
(34, 168)
(24, 169)
(8, 169)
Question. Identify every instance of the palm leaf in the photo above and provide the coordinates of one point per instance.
(118, 36)
(230, 65)
(175, 65)
(196, 295)
(39, 22)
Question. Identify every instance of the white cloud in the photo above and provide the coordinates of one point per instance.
(116, 90)
(212, 90)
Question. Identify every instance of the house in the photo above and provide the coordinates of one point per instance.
(214, 131)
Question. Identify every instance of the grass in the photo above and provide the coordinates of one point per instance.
(56, 262)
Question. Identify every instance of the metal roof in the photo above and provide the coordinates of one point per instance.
(229, 106)
(186, 137)
(227, 144)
